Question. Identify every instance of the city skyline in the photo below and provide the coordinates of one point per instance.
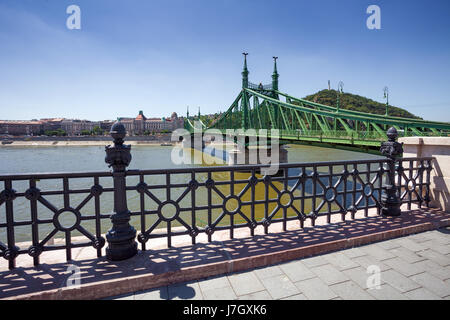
(64, 126)
(168, 55)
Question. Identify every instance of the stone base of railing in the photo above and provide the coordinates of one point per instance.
(438, 147)
(159, 265)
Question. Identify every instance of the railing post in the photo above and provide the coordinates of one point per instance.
(390, 198)
(121, 237)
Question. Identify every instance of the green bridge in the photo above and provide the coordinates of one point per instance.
(305, 122)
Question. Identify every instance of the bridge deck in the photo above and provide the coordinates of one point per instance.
(160, 266)
(413, 268)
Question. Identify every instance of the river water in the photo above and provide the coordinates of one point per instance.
(18, 160)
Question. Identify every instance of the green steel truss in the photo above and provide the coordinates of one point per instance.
(264, 107)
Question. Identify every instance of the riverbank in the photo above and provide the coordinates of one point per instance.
(82, 141)
(76, 143)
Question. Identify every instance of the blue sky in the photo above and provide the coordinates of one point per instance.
(160, 56)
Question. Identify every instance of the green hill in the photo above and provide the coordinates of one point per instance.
(358, 103)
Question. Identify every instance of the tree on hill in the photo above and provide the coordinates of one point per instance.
(357, 103)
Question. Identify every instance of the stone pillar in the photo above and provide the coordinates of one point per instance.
(438, 147)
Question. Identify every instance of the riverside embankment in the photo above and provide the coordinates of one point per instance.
(80, 141)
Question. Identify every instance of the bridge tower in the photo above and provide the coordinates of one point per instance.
(245, 72)
(275, 77)
(244, 101)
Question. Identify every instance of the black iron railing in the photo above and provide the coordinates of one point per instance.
(191, 201)
(37, 213)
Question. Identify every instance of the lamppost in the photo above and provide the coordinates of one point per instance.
(340, 90)
(386, 96)
(121, 237)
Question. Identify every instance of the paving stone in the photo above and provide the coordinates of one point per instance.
(442, 249)
(411, 244)
(388, 244)
(438, 236)
(434, 256)
(315, 289)
(160, 293)
(432, 284)
(296, 297)
(340, 261)
(185, 291)
(433, 268)
(260, 295)
(354, 253)
(407, 255)
(436, 246)
(366, 261)
(386, 292)
(267, 272)
(398, 281)
(297, 271)
(405, 268)
(225, 293)
(413, 267)
(421, 294)
(217, 282)
(418, 237)
(358, 275)
(245, 283)
(350, 291)
(329, 274)
(377, 252)
(280, 286)
(314, 261)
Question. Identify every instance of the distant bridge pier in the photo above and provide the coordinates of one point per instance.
(193, 141)
(257, 155)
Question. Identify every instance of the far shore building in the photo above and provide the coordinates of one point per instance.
(51, 124)
(17, 127)
(106, 125)
(142, 124)
(74, 127)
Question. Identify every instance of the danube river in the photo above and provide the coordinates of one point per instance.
(18, 160)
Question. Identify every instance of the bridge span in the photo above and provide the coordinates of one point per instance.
(302, 121)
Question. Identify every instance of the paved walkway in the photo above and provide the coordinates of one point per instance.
(411, 267)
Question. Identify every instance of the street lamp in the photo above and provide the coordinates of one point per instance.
(340, 90)
(386, 96)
